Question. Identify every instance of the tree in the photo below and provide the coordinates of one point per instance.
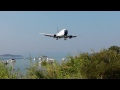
(115, 48)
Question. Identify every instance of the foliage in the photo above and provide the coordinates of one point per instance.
(115, 48)
(98, 65)
(104, 64)
(7, 72)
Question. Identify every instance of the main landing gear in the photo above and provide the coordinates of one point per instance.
(64, 38)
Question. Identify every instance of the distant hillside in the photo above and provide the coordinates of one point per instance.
(9, 55)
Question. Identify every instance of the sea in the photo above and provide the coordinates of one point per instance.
(23, 63)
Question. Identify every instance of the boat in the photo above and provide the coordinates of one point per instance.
(12, 60)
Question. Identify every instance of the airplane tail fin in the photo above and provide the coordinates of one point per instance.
(57, 29)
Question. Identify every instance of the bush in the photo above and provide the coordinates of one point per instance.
(104, 64)
(7, 72)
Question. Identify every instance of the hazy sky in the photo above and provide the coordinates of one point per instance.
(19, 31)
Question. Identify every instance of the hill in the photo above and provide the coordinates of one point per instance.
(11, 56)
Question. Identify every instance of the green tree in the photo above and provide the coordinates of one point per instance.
(115, 48)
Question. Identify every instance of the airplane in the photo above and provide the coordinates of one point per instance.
(61, 34)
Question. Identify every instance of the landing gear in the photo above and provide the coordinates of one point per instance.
(64, 38)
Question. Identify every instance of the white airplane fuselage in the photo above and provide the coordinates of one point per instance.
(62, 33)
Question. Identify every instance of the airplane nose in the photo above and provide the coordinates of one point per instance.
(66, 32)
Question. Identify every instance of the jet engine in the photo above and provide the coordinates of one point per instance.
(70, 36)
(54, 36)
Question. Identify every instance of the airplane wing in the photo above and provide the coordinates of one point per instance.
(50, 35)
(70, 36)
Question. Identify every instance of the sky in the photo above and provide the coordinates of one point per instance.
(19, 31)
